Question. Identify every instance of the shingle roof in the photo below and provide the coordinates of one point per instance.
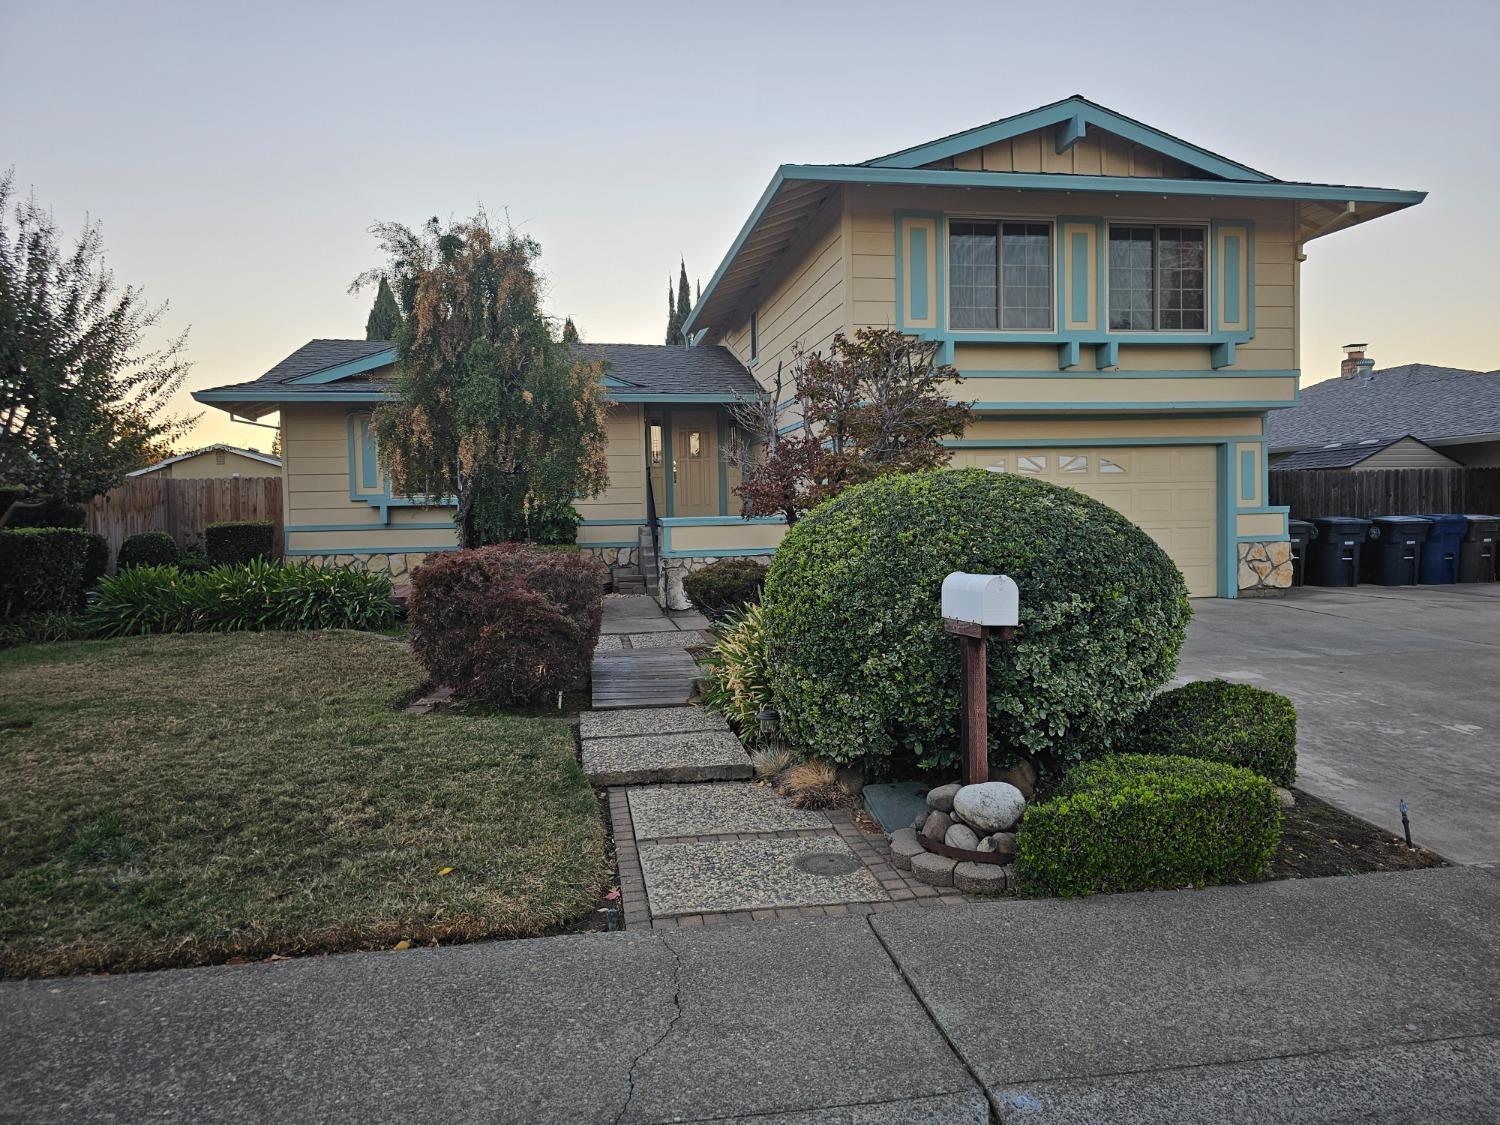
(1433, 404)
(313, 356)
(1335, 455)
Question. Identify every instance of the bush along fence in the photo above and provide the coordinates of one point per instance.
(183, 509)
(1311, 493)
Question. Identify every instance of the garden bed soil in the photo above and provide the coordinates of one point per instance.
(1321, 839)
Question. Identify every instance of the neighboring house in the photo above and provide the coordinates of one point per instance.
(1122, 304)
(1368, 453)
(214, 461)
(1454, 411)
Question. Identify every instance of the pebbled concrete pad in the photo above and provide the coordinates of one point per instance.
(692, 1025)
(646, 758)
(648, 720)
(729, 875)
(682, 638)
(1450, 1082)
(714, 809)
(1227, 976)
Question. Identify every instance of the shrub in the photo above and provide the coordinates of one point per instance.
(1132, 822)
(96, 561)
(252, 597)
(1222, 722)
(553, 525)
(863, 672)
(507, 624)
(148, 548)
(738, 681)
(238, 541)
(41, 570)
(42, 628)
(725, 585)
(50, 513)
(814, 785)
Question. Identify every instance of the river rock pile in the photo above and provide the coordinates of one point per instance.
(974, 818)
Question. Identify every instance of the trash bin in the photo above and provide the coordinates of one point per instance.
(1440, 549)
(1301, 533)
(1476, 554)
(1333, 553)
(1393, 550)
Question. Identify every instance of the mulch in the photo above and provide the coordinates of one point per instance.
(1320, 840)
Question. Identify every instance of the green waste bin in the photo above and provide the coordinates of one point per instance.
(1333, 554)
(1392, 553)
(1301, 533)
(1476, 553)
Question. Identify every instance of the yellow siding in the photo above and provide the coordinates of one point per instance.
(205, 466)
(1269, 525)
(1082, 390)
(1106, 428)
(688, 538)
(625, 496)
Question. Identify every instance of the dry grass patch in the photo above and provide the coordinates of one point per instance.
(184, 800)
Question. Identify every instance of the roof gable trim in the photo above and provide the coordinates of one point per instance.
(352, 367)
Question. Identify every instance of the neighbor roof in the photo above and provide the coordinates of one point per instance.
(799, 192)
(253, 454)
(357, 371)
(1340, 454)
(1437, 405)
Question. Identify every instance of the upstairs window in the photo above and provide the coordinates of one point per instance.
(1156, 278)
(1000, 275)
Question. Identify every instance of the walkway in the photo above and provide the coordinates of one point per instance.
(1375, 997)
(642, 660)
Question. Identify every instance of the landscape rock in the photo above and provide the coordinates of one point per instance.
(987, 844)
(936, 825)
(979, 878)
(916, 825)
(1022, 775)
(962, 836)
(941, 798)
(1288, 798)
(905, 845)
(934, 870)
(991, 806)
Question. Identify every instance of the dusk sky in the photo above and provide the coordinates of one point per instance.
(237, 154)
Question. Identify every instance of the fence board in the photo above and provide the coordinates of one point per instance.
(1385, 492)
(183, 508)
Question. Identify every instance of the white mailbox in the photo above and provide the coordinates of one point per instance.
(981, 599)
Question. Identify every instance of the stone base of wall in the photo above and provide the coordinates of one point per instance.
(397, 566)
(613, 556)
(1265, 568)
(669, 590)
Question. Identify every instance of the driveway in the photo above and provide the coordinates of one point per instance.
(1397, 693)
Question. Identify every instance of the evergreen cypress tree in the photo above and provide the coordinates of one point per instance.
(673, 322)
(684, 302)
(385, 314)
(570, 331)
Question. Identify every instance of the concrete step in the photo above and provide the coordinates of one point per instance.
(630, 585)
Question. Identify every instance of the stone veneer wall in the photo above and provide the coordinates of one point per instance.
(669, 590)
(613, 556)
(1265, 567)
(396, 566)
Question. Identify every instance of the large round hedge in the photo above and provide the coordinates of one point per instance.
(863, 672)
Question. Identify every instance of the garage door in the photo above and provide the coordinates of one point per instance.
(1170, 491)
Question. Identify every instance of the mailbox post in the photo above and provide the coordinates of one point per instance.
(973, 605)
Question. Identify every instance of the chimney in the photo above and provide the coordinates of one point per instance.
(1355, 362)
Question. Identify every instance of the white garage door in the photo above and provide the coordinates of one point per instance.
(1170, 491)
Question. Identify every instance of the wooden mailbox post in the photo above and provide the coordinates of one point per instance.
(973, 605)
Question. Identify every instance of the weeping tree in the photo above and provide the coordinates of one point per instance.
(384, 320)
(83, 400)
(493, 411)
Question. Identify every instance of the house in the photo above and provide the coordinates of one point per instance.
(1123, 305)
(1368, 453)
(1453, 412)
(214, 461)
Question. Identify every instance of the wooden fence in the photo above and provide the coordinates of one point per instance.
(1385, 492)
(182, 508)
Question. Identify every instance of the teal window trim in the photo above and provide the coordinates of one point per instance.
(705, 398)
(602, 543)
(345, 370)
(234, 395)
(1028, 443)
(1232, 277)
(612, 523)
(719, 521)
(1079, 249)
(371, 550)
(1288, 373)
(1135, 407)
(668, 466)
(938, 297)
(1248, 475)
(1229, 560)
(722, 437)
(415, 526)
(920, 309)
(369, 475)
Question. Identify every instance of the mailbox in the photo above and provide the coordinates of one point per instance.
(981, 599)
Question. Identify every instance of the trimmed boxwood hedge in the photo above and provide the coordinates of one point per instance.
(41, 570)
(725, 585)
(147, 548)
(1134, 822)
(1223, 722)
(863, 672)
(238, 541)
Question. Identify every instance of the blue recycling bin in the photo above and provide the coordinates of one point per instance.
(1440, 550)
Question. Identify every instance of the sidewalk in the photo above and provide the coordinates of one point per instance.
(1347, 999)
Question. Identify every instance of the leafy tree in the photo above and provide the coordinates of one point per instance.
(385, 315)
(873, 406)
(493, 410)
(82, 400)
(569, 331)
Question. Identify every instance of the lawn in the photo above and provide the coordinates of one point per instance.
(185, 800)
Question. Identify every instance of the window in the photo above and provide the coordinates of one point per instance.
(1108, 466)
(656, 451)
(754, 335)
(1031, 463)
(1070, 463)
(1000, 275)
(1156, 278)
(695, 443)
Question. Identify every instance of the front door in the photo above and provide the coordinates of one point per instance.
(695, 455)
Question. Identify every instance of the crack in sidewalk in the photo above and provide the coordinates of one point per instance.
(635, 1063)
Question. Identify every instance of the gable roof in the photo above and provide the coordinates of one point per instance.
(359, 371)
(798, 193)
(218, 447)
(1075, 115)
(1436, 405)
(1339, 454)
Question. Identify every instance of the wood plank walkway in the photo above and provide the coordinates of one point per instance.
(643, 677)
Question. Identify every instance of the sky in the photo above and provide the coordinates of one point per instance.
(237, 154)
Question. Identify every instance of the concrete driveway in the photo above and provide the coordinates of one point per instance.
(1397, 693)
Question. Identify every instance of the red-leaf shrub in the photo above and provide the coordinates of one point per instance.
(507, 624)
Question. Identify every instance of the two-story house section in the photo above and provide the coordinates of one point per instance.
(1122, 305)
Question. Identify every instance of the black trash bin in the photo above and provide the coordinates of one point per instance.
(1333, 553)
(1440, 550)
(1301, 533)
(1476, 554)
(1393, 550)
